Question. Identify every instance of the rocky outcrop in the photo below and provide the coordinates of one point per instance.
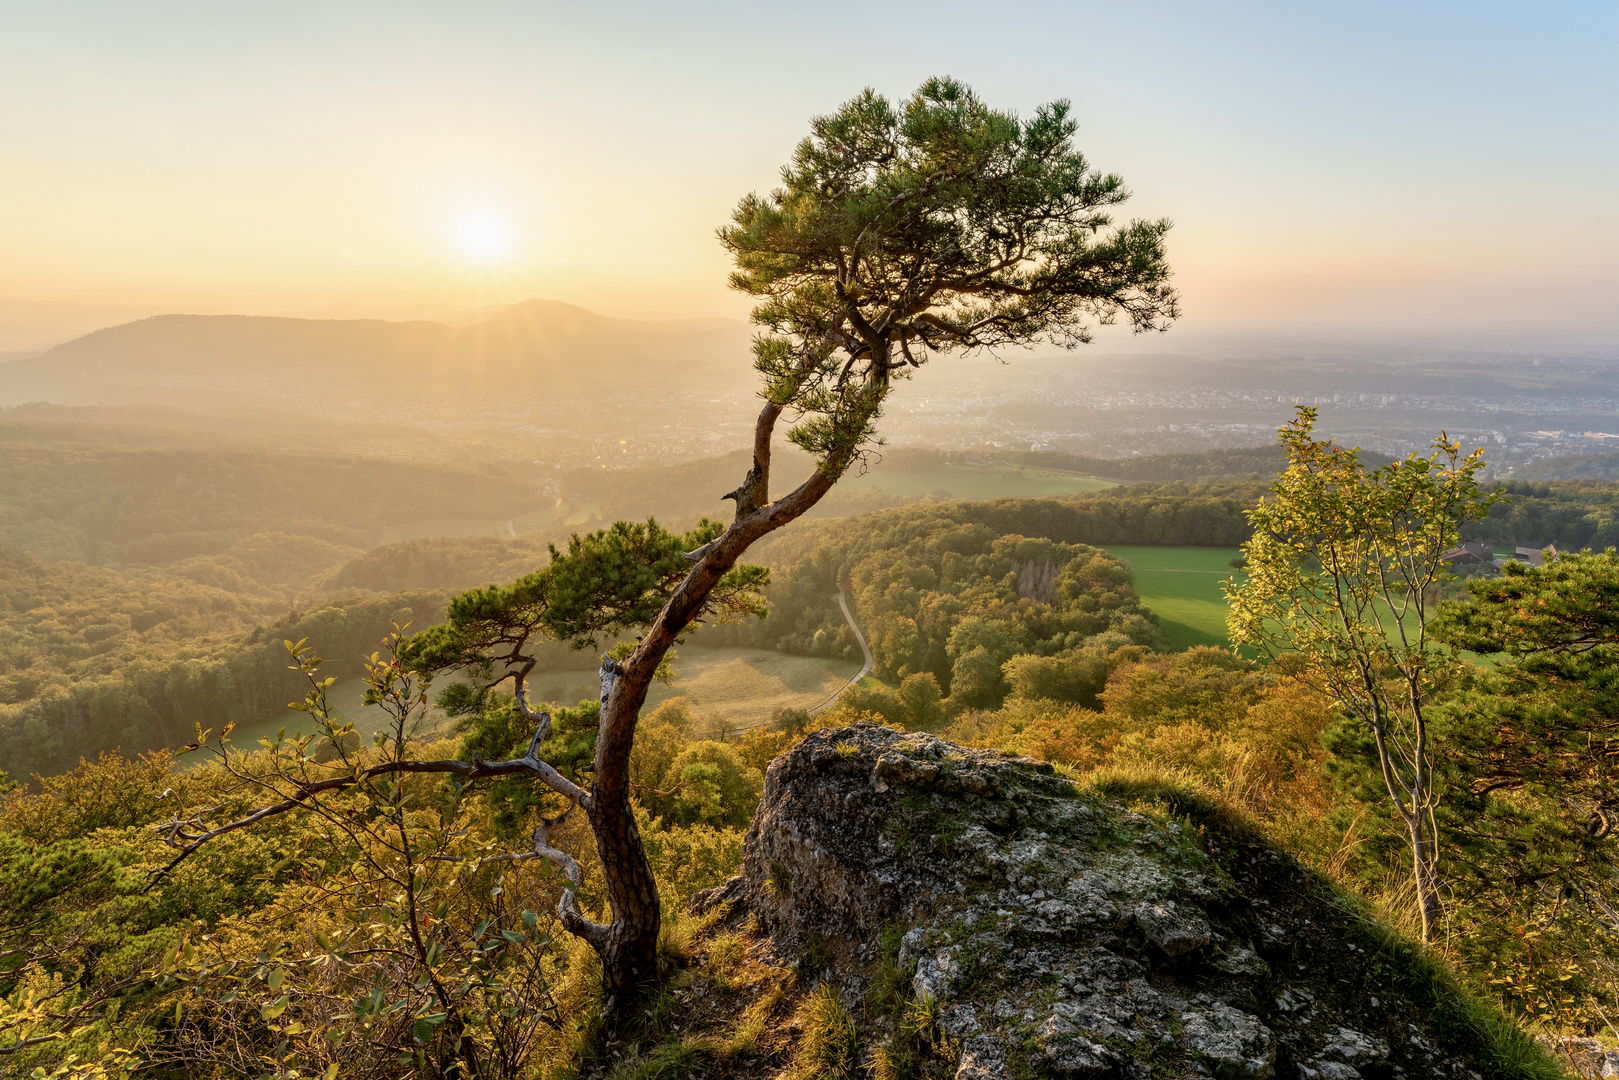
(1589, 1058)
(1050, 933)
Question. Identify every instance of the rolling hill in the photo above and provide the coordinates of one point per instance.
(535, 352)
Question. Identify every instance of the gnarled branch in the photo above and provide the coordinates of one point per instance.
(191, 832)
(568, 902)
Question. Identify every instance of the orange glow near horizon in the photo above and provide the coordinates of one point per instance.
(1339, 168)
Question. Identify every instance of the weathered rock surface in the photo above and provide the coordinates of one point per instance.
(1060, 935)
(1589, 1058)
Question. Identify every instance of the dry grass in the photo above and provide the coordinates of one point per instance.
(729, 688)
(727, 1007)
(831, 1040)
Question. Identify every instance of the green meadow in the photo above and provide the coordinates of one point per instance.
(1182, 586)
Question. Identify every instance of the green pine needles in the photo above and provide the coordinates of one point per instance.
(941, 225)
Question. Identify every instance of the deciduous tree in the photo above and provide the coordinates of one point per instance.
(1341, 571)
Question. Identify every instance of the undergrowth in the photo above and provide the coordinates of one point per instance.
(831, 1039)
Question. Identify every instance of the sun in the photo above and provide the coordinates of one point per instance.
(483, 236)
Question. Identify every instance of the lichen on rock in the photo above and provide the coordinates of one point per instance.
(1048, 932)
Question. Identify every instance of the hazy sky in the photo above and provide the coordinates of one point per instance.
(1346, 166)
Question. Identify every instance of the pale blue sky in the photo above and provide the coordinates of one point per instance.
(1411, 166)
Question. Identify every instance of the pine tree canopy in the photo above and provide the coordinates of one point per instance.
(939, 226)
(1567, 607)
(1546, 718)
(609, 582)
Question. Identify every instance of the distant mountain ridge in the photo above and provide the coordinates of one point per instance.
(536, 350)
(32, 326)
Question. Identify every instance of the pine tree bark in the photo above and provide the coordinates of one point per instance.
(629, 946)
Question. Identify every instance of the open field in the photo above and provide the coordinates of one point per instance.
(1182, 585)
(560, 514)
(975, 482)
(729, 688)
(347, 699)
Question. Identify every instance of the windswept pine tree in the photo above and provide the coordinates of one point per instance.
(936, 226)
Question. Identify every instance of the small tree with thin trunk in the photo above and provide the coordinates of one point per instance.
(1341, 572)
(938, 226)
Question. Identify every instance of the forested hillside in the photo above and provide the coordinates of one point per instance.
(66, 621)
(198, 640)
(534, 350)
(1572, 515)
(1577, 467)
(1219, 740)
(1260, 462)
(89, 680)
(1002, 623)
(135, 571)
(437, 562)
(159, 506)
(894, 557)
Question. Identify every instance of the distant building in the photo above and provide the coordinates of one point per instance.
(1535, 556)
(1470, 555)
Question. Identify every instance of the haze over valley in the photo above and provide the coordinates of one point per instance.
(882, 542)
(559, 385)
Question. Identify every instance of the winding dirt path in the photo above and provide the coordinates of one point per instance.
(843, 602)
(865, 669)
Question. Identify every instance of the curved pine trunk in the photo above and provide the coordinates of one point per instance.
(628, 943)
(628, 949)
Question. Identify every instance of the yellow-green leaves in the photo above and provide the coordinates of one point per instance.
(1343, 558)
(1342, 572)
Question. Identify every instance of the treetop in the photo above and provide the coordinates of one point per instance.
(941, 225)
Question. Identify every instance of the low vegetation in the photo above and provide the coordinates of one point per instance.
(1199, 732)
(416, 909)
(1181, 585)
